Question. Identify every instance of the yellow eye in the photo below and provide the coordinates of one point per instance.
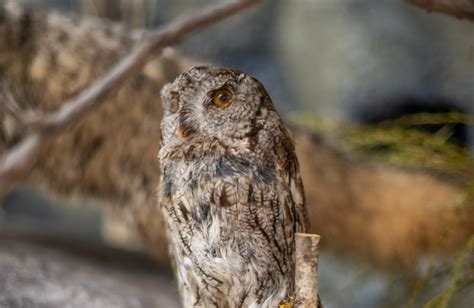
(222, 98)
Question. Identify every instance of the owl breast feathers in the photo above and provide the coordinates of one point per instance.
(230, 190)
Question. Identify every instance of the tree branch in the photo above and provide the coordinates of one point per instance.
(306, 272)
(457, 8)
(17, 163)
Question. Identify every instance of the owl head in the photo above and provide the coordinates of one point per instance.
(209, 103)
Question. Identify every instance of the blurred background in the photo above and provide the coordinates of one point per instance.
(355, 71)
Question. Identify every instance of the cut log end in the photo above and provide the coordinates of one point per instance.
(306, 272)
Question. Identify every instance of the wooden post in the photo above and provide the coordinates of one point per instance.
(306, 273)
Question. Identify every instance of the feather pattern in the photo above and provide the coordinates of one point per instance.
(230, 192)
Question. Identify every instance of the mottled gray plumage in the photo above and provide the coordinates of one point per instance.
(230, 190)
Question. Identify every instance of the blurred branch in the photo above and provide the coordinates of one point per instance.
(17, 163)
(457, 8)
(306, 272)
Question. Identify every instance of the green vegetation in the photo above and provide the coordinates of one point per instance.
(459, 274)
(402, 143)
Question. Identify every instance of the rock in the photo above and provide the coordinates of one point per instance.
(41, 273)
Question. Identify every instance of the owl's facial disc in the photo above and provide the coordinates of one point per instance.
(208, 102)
(195, 109)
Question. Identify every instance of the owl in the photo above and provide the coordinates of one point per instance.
(230, 190)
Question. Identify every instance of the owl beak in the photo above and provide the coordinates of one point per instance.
(182, 132)
(185, 124)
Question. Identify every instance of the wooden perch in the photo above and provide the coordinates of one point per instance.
(457, 8)
(306, 272)
(18, 161)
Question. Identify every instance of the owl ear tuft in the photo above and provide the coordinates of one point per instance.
(241, 77)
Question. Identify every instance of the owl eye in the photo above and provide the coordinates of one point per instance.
(222, 98)
(174, 105)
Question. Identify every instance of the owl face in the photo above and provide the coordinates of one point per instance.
(213, 103)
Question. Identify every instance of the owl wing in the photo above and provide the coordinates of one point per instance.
(265, 209)
(298, 197)
(290, 169)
